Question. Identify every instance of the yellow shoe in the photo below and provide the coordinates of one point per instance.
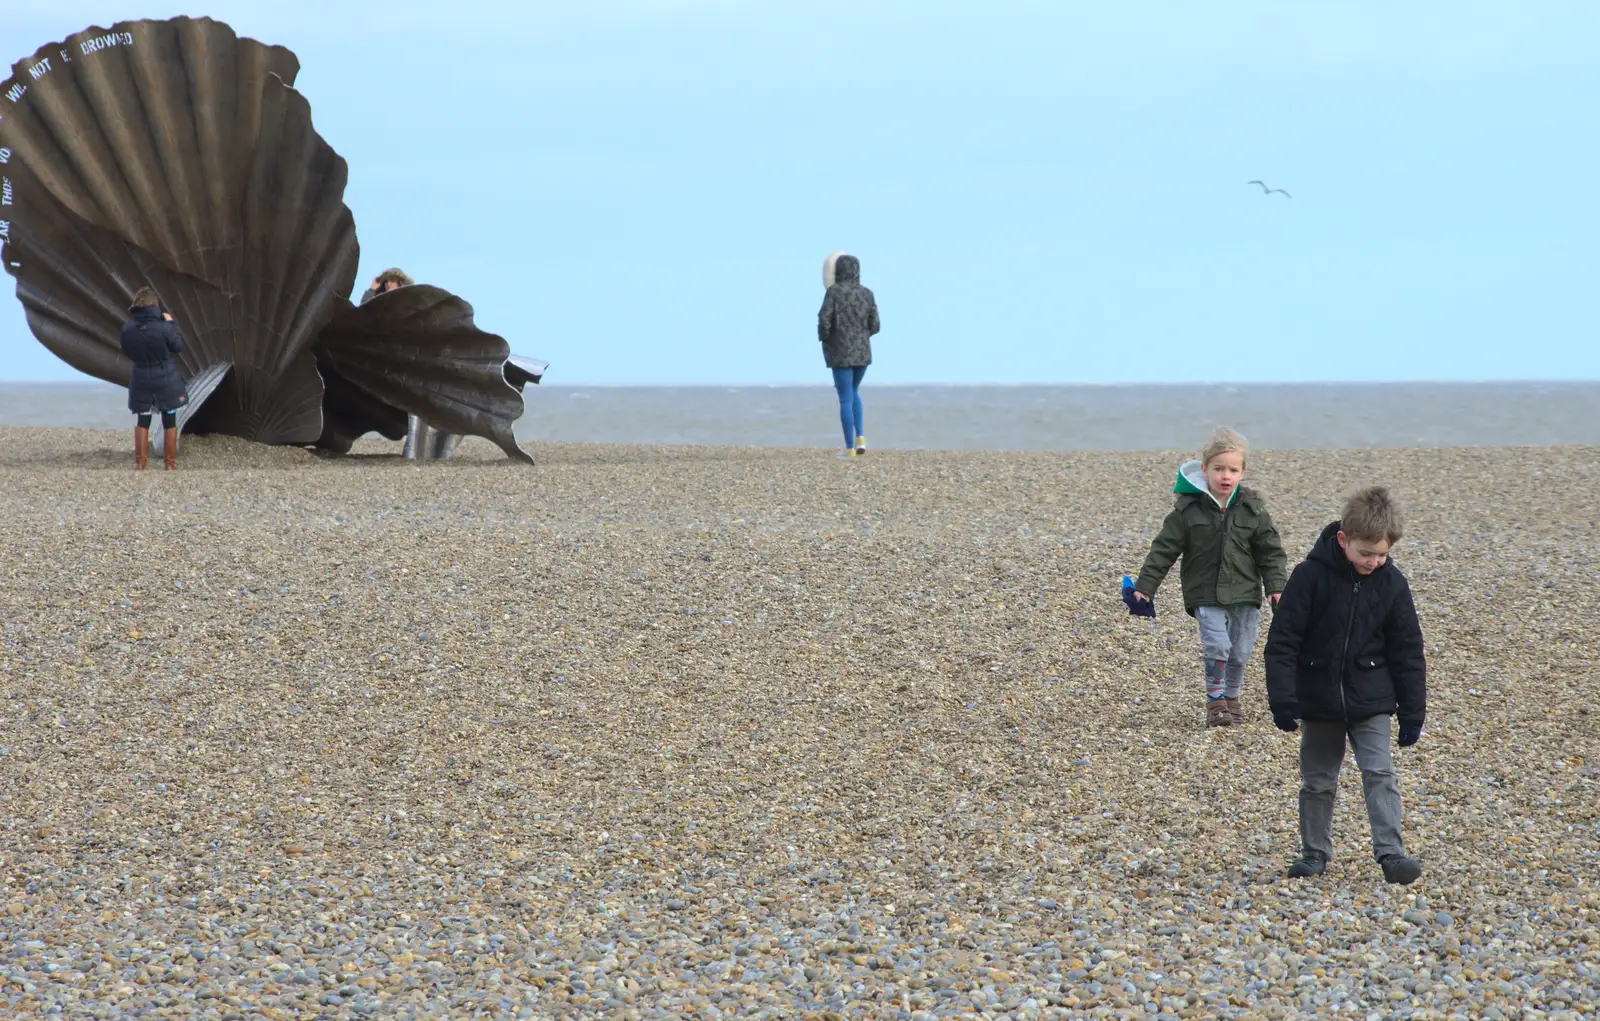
(861, 445)
(847, 454)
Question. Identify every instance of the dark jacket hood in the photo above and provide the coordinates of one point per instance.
(145, 313)
(1330, 554)
(848, 318)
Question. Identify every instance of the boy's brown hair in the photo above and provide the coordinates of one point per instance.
(145, 297)
(1223, 441)
(1371, 515)
(395, 276)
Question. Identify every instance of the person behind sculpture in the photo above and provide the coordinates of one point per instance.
(1344, 653)
(846, 324)
(388, 280)
(151, 339)
(1231, 554)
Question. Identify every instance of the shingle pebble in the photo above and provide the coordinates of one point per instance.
(662, 732)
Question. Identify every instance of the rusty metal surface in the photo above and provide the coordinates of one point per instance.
(349, 413)
(176, 154)
(74, 280)
(150, 129)
(417, 349)
(522, 370)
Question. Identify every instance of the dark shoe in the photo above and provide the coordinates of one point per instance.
(1312, 863)
(1397, 868)
(1217, 714)
(141, 447)
(1234, 711)
(169, 448)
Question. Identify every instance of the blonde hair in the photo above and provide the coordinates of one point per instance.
(1371, 515)
(1223, 441)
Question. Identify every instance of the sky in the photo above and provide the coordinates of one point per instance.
(1040, 191)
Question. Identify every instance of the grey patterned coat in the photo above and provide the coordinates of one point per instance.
(848, 318)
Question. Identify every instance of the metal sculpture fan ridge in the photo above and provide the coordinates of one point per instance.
(177, 155)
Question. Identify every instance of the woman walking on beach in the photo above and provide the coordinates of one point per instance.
(845, 325)
(151, 339)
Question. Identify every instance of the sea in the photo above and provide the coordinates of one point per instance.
(981, 417)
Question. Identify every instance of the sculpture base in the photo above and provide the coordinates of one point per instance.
(200, 386)
(425, 443)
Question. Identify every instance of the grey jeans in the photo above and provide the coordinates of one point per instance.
(1321, 754)
(1228, 634)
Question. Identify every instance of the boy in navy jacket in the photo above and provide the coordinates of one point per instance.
(1344, 653)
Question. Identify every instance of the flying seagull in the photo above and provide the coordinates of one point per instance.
(1268, 191)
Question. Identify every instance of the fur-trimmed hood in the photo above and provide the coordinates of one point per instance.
(839, 268)
(849, 315)
(388, 276)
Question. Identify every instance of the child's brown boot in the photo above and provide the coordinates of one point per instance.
(1234, 711)
(1217, 714)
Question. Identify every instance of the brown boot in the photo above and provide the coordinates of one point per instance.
(169, 448)
(1234, 711)
(141, 447)
(1217, 714)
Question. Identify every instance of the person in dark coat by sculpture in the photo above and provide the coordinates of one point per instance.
(151, 340)
(846, 324)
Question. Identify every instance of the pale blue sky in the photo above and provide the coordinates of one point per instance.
(642, 191)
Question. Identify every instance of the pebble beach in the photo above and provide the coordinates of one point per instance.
(666, 732)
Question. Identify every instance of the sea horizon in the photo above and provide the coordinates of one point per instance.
(966, 385)
(987, 416)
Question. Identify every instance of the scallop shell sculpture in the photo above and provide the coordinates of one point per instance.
(417, 349)
(175, 154)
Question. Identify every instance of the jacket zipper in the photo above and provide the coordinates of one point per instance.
(1344, 654)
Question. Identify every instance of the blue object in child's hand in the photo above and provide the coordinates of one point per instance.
(1136, 606)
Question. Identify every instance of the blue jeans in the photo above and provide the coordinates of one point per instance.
(848, 383)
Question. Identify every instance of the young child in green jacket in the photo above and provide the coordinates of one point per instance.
(1231, 553)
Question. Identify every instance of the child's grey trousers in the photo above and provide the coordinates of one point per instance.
(1321, 754)
(1228, 633)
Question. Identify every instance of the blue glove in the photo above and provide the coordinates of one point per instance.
(1136, 606)
(1410, 733)
(1285, 722)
